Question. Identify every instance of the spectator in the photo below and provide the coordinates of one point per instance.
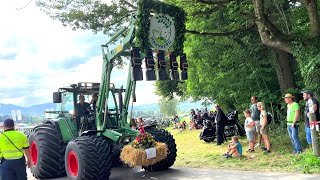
(250, 129)
(293, 113)
(133, 123)
(221, 122)
(255, 116)
(311, 111)
(234, 148)
(264, 127)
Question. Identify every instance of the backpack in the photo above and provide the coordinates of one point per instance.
(269, 117)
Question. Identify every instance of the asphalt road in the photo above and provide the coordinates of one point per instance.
(177, 173)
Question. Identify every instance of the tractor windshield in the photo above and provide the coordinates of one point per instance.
(67, 103)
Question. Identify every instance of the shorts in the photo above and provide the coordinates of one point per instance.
(250, 135)
(257, 126)
(265, 130)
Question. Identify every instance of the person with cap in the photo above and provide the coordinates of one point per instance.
(311, 112)
(293, 112)
(13, 146)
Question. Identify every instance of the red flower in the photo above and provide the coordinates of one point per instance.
(138, 139)
(142, 130)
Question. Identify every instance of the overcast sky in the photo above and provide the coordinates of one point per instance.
(38, 55)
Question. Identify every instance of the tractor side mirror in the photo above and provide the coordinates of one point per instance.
(183, 67)
(149, 61)
(57, 97)
(136, 62)
(173, 67)
(162, 74)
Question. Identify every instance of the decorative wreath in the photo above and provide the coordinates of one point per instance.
(145, 7)
(134, 154)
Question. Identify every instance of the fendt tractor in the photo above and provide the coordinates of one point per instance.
(86, 147)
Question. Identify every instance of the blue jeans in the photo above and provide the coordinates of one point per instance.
(293, 133)
(14, 169)
(308, 135)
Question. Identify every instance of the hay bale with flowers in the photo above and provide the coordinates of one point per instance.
(134, 154)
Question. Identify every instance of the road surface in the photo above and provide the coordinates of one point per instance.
(178, 173)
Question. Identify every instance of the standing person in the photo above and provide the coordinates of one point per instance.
(293, 113)
(264, 127)
(13, 146)
(311, 111)
(250, 129)
(133, 124)
(93, 102)
(220, 121)
(255, 116)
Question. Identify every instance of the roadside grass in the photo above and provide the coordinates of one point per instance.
(192, 152)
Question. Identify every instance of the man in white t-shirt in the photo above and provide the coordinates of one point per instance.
(311, 111)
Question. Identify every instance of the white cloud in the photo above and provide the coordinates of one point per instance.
(38, 55)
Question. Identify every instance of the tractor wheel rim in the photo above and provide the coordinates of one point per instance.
(34, 153)
(73, 165)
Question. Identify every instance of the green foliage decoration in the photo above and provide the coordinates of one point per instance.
(145, 7)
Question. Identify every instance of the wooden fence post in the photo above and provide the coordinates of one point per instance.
(314, 134)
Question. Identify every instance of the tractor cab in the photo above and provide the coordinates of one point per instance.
(68, 102)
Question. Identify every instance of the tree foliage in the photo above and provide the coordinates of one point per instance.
(231, 44)
(168, 107)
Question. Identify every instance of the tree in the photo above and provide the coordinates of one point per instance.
(168, 107)
(235, 48)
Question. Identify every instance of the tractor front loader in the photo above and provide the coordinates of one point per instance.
(85, 147)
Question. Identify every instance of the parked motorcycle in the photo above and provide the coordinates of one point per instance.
(208, 133)
(233, 127)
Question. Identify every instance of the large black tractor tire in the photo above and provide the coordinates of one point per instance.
(88, 158)
(47, 152)
(164, 136)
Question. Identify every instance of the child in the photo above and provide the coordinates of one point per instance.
(234, 148)
(249, 127)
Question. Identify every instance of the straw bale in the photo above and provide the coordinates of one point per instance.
(138, 157)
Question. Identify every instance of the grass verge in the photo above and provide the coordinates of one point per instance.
(192, 152)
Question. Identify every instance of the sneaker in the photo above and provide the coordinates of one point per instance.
(250, 150)
(257, 145)
(225, 154)
(263, 148)
(298, 153)
(228, 156)
(293, 152)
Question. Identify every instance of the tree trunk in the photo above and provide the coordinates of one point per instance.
(311, 6)
(285, 70)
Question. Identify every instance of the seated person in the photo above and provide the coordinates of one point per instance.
(234, 148)
(83, 108)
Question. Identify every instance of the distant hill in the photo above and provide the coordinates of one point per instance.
(40, 108)
(32, 110)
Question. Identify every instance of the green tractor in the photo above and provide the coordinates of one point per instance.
(86, 146)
